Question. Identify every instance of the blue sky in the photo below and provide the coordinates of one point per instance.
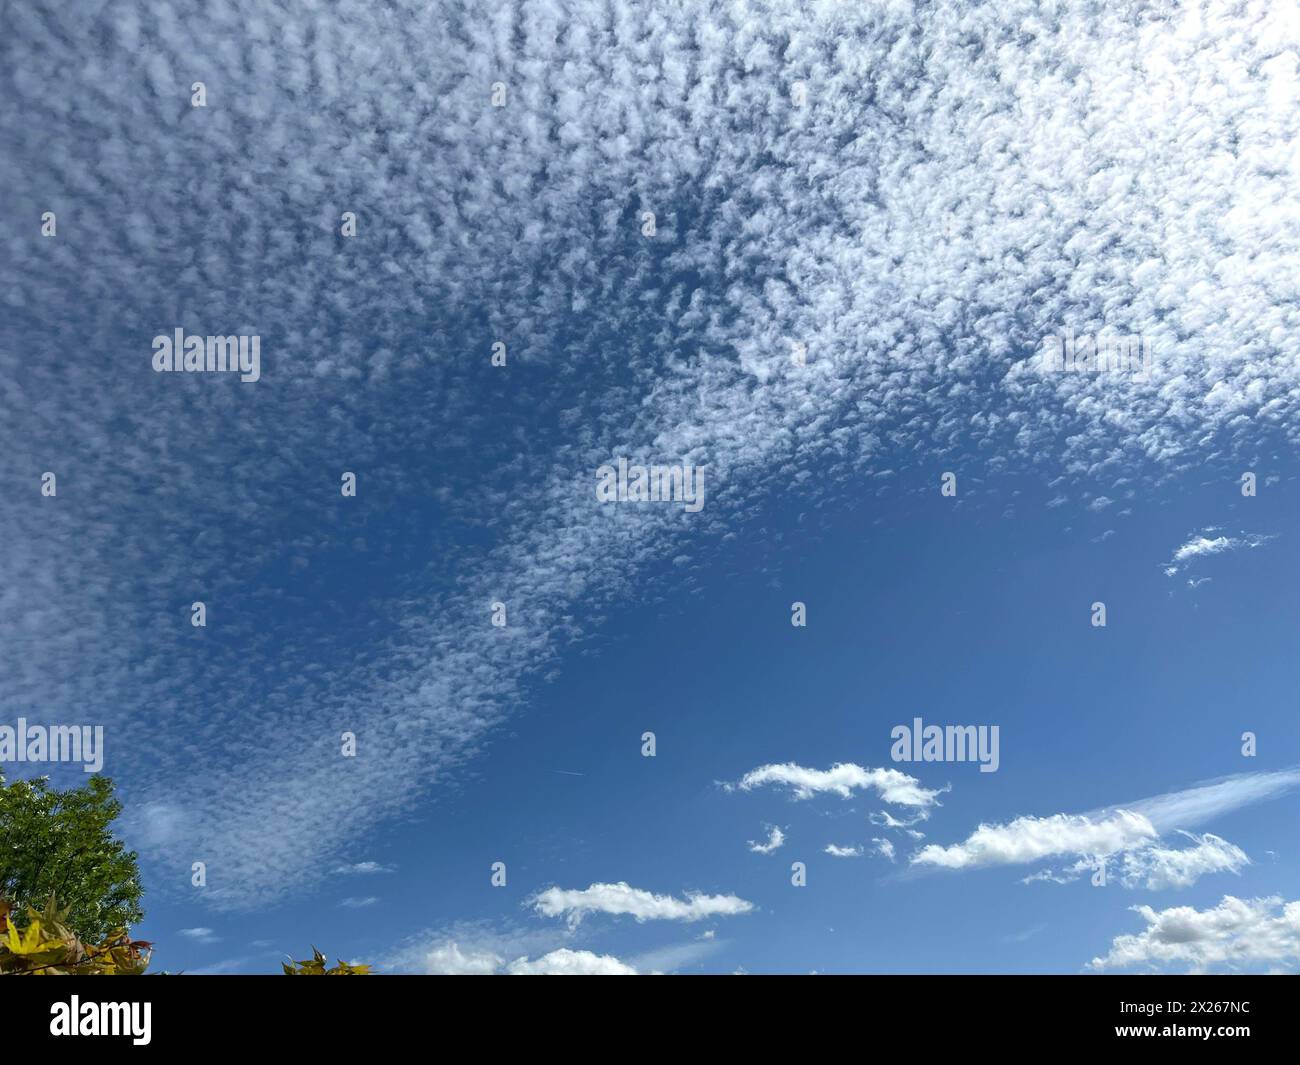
(917, 197)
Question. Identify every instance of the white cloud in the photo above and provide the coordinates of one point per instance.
(621, 898)
(200, 935)
(837, 851)
(1156, 868)
(359, 902)
(841, 779)
(222, 968)
(1133, 830)
(1050, 876)
(565, 962)
(884, 847)
(1196, 805)
(775, 838)
(887, 820)
(677, 956)
(363, 869)
(482, 949)
(1201, 546)
(449, 959)
(1028, 839)
(1235, 934)
(1122, 836)
(472, 947)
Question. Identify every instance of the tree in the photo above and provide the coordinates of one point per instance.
(59, 843)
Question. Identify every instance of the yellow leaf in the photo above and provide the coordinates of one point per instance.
(29, 942)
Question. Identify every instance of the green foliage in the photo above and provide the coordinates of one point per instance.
(59, 843)
(316, 967)
(47, 946)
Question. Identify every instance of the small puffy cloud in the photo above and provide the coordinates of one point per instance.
(450, 959)
(843, 852)
(200, 935)
(363, 869)
(884, 847)
(1202, 545)
(1051, 877)
(565, 962)
(775, 838)
(886, 820)
(622, 898)
(1235, 934)
(842, 779)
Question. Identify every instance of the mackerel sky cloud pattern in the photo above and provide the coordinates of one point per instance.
(962, 181)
